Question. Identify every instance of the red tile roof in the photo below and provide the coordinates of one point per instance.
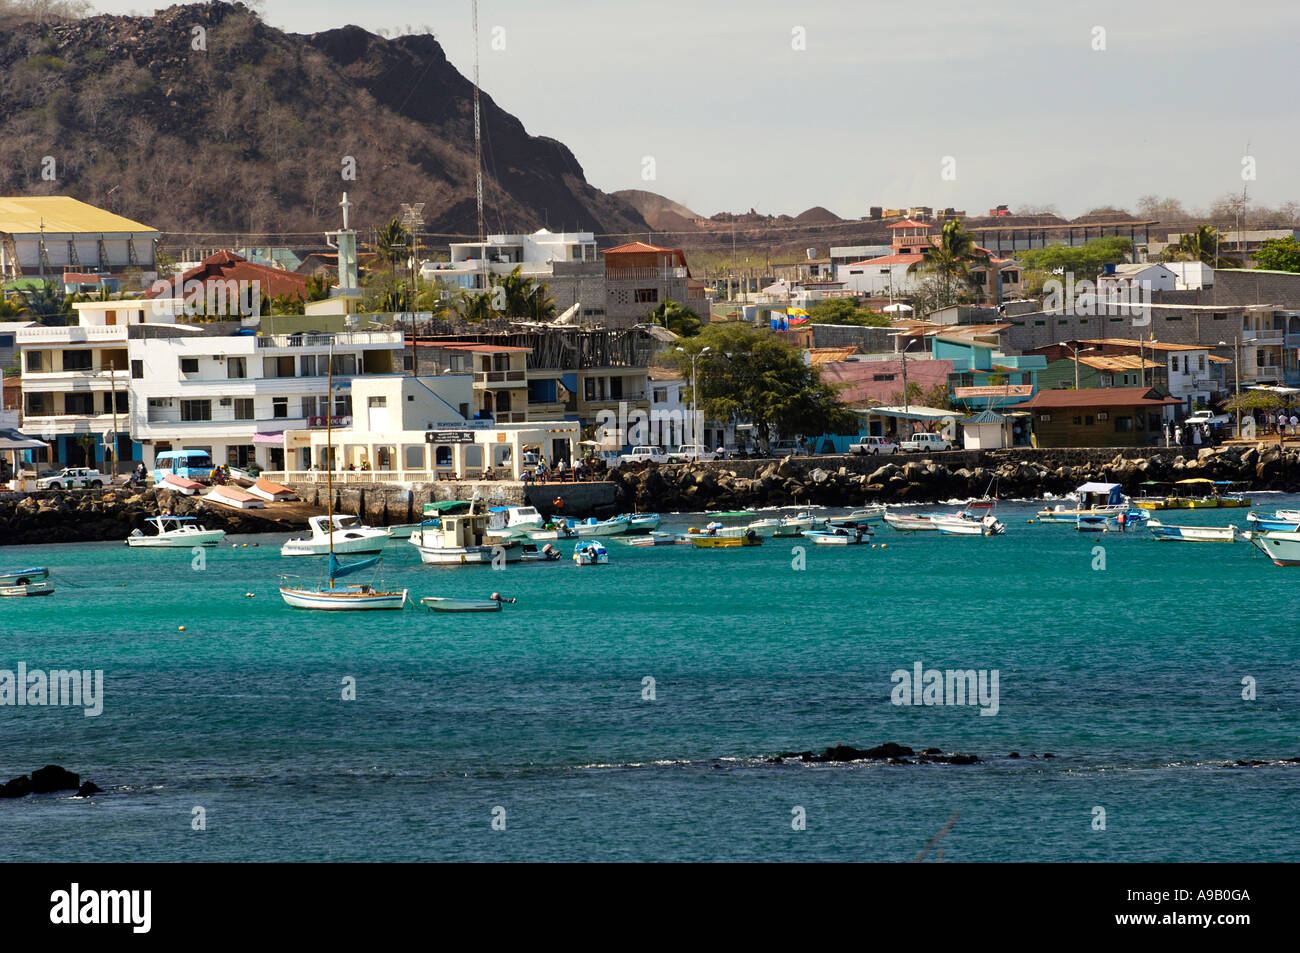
(227, 266)
(909, 223)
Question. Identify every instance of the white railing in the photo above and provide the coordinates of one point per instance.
(360, 476)
(72, 334)
(336, 339)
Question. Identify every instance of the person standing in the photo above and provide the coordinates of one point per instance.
(1178, 435)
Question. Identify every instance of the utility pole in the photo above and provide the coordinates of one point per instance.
(412, 219)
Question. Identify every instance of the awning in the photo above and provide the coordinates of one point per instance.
(277, 437)
(16, 440)
(570, 382)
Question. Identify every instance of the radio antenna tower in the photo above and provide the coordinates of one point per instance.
(478, 135)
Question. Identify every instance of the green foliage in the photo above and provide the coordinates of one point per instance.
(1201, 244)
(678, 318)
(524, 297)
(751, 375)
(287, 304)
(846, 311)
(13, 306)
(1085, 262)
(392, 243)
(318, 288)
(1255, 400)
(1279, 254)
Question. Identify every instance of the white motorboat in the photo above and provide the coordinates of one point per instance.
(963, 525)
(765, 527)
(876, 512)
(639, 523)
(614, 526)
(27, 589)
(449, 604)
(1283, 548)
(464, 540)
(838, 536)
(530, 553)
(508, 521)
(175, 531)
(652, 539)
(551, 532)
(795, 525)
(1193, 534)
(347, 535)
(591, 553)
(911, 522)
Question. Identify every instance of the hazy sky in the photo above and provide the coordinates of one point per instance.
(865, 113)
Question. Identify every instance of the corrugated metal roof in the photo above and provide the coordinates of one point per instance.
(58, 213)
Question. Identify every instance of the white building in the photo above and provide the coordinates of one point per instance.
(473, 262)
(235, 394)
(1191, 275)
(1136, 279)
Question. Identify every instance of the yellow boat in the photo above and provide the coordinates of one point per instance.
(1213, 500)
(707, 541)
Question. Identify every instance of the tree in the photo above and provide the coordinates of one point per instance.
(1279, 254)
(392, 243)
(845, 311)
(318, 288)
(752, 376)
(949, 260)
(1201, 244)
(678, 318)
(524, 297)
(1083, 262)
(13, 306)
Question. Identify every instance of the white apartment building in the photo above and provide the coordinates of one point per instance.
(235, 394)
(473, 262)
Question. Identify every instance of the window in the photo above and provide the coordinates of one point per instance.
(76, 360)
(883, 377)
(34, 360)
(1011, 277)
(307, 365)
(38, 405)
(646, 295)
(1039, 324)
(616, 388)
(189, 365)
(378, 402)
(196, 410)
(345, 365)
(6, 340)
(277, 367)
(1123, 424)
(78, 403)
(120, 401)
(309, 407)
(244, 408)
(279, 407)
(661, 395)
(236, 368)
(1088, 421)
(1078, 421)
(137, 369)
(1173, 317)
(342, 405)
(1201, 362)
(1220, 317)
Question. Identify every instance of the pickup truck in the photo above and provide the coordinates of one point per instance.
(641, 455)
(71, 478)
(691, 451)
(1207, 417)
(921, 442)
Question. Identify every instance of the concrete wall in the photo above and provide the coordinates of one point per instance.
(382, 504)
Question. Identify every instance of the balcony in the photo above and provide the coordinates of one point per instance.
(643, 274)
(72, 335)
(1263, 336)
(501, 378)
(339, 339)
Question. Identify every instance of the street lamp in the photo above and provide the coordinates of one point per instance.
(1076, 350)
(695, 423)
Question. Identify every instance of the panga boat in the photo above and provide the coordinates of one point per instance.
(1110, 522)
(349, 535)
(652, 539)
(707, 541)
(329, 595)
(27, 589)
(643, 522)
(1279, 522)
(448, 604)
(964, 525)
(463, 540)
(1094, 499)
(614, 526)
(529, 553)
(21, 577)
(591, 553)
(839, 536)
(1192, 534)
(1282, 548)
(796, 525)
(562, 529)
(912, 522)
(177, 531)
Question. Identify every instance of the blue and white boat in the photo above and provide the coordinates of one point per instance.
(23, 577)
(643, 522)
(1279, 522)
(1118, 522)
(591, 553)
(330, 595)
(1192, 534)
(1092, 500)
(838, 536)
(614, 526)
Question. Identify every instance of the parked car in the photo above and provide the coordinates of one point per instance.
(787, 448)
(641, 455)
(873, 446)
(1208, 417)
(922, 442)
(734, 452)
(691, 451)
(71, 478)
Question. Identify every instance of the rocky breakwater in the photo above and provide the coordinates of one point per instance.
(83, 516)
(857, 481)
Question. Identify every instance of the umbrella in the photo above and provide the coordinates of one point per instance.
(898, 307)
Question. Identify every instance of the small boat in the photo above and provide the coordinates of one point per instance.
(652, 539)
(507, 521)
(27, 589)
(1282, 548)
(839, 536)
(529, 553)
(765, 527)
(911, 522)
(1192, 534)
(347, 535)
(708, 541)
(795, 525)
(1198, 493)
(22, 577)
(1093, 499)
(1290, 515)
(591, 553)
(328, 595)
(643, 522)
(463, 540)
(962, 525)
(447, 604)
(733, 516)
(552, 531)
(1279, 522)
(875, 513)
(175, 531)
(850, 522)
(614, 526)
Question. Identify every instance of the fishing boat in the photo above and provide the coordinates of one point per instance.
(23, 577)
(1279, 522)
(967, 525)
(28, 589)
(837, 537)
(1282, 548)
(652, 539)
(707, 541)
(1192, 534)
(529, 553)
(510, 521)
(463, 540)
(175, 531)
(912, 522)
(591, 553)
(850, 522)
(552, 531)
(1197, 493)
(1091, 499)
(796, 525)
(337, 533)
(765, 527)
(449, 604)
(869, 513)
(614, 526)
(643, 522)
(431, 516)
(328, 595)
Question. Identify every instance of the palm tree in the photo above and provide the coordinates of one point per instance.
(392, 243)
(1202, 245)
(950, 258)
(476, 308)
(678, 318)
(13, 306)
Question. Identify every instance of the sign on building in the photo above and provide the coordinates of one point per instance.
(449, 436)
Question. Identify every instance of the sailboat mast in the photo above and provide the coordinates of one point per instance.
(329, 454)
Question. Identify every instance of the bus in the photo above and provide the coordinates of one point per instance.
(191, 464)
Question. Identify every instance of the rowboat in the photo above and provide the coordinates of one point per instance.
(837, 537)
(591, 553)
(448, 604)
(1277, 523)
(706, 541)
(1192, 534)
(175, 531)
(1282, 548)
(911, 522)
(28, 589)
(21, 577)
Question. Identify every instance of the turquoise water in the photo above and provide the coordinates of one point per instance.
(1130, 675)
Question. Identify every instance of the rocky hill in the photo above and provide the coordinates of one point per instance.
(203, 119)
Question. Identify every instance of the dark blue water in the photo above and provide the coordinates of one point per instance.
(1130, 675)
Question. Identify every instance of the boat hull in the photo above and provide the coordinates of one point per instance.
(1282, 548)
(209, 537)
(911, 524)
(27, 589)
(441, 604)
(1192, 534)
(345, 598)
(467, 555)
(321, 547)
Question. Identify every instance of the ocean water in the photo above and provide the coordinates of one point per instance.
(1131, 675)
